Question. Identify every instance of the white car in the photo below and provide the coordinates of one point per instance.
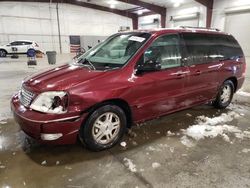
(18, 47)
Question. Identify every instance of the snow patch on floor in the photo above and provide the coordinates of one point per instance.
(207, 127)
(243, 93)
(123, 144)
(129, 164)
(223, 118)
(44, 162)
(169, 133)
(3, 118)
(198, 132)
(156, 165)
(187, 142)
(245, 150)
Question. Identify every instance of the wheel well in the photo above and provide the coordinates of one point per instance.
(235, 82)
(3, 50)
(118, 102)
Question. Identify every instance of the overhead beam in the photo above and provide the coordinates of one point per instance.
(149, 6)
(134, 9)
(152, 7)
(209, 5)
(146, 14)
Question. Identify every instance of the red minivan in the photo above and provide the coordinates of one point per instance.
(130, 77)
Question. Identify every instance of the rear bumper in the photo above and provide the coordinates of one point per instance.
(34, 124)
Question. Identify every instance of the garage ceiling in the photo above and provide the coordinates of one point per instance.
(122, 5)
(133, 8)
(107, 3)
(167, 3)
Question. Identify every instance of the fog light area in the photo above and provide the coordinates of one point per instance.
(51, 136)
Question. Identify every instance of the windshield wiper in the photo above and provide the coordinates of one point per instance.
(85, 60)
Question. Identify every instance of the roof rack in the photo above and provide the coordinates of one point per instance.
(205, 28)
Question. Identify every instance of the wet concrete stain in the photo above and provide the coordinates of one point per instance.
(24, 163)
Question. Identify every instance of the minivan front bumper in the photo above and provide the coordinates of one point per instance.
(47, 128)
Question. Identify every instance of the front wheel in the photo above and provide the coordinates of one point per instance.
(3, 53)
(104, 128)
(225, 95)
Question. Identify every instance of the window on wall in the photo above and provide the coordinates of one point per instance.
(164, 50)
(206, 48)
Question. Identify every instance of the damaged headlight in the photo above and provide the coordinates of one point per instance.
(54, 102)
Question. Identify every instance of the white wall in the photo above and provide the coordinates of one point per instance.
(236, 23)
(187, 9)
(38, 21)
(219, 16)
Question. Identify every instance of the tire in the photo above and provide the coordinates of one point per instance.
(225, 95)
(3, 53)
(97, 133)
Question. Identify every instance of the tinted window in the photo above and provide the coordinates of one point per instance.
(205, 48)
(14, 43)
(26, 43)
(18, 43)
(228, 47)
(165, 50)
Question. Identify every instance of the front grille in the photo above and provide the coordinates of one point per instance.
(26, 97)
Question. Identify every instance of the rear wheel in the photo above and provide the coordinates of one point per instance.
(3, 53)
(104, 128)
(225, 95)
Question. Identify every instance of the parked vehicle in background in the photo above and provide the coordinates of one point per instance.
(130, 77)
(18, 47)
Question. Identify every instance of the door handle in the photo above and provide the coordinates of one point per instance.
(197, 72)
(180, 75)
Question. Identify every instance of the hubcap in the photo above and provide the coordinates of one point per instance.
(106, 128)
(2, 53)
(226, 94)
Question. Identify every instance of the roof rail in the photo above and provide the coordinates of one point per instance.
(205, 28)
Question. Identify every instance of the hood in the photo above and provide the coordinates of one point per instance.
(61, 78)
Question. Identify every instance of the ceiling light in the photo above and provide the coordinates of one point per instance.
(177, 5)
(112, 2)
(112, 6)
(140, 12)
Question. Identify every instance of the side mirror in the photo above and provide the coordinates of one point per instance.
(149, 66)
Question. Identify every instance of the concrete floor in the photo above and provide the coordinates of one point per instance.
(156, 155)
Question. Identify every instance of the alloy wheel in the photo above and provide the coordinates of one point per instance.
(106, 127)
(226, 94)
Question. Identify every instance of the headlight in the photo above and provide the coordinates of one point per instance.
(54, 102)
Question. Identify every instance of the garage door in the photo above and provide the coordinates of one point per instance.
(191, 23)
(239, 26)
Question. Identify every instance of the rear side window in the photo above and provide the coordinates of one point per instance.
(228, 47)
(27, 43)
(206, 48)
(16, 43)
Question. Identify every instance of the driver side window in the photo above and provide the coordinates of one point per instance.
(165, 50)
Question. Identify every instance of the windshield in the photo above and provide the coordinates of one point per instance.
(114, 52)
